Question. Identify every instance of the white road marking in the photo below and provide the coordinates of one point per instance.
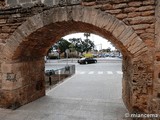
(91, 72)
(82, 73)
(109, 72)
(100, 72)
(119, 72)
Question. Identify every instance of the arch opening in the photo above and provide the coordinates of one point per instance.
(37, 44)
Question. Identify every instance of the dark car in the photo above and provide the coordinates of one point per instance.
(87, 60)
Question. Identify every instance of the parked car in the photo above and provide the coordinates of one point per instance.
(87, 60)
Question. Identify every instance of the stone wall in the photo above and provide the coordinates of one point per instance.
(22, 82)
(129, 24)
(138, 14)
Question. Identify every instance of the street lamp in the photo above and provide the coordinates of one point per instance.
(67, 51)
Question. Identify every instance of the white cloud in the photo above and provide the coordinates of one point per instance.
(99, 42)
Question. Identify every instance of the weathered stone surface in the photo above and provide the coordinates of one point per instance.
(6, 68)
(133, 14)
(30, 27)
(148, 13)
(121, 16)
(130, 39)
(135, 4)
(114, 11)
(123, 5)
(141, 20)
(118, 30)
(141, 26)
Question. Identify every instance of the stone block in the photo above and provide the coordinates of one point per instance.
(129, 40)
(119, 29)
(126, 34)
(130, 9)
(135, 45)
(36, 21)
(157, 73)
(141, 26)
(6, 68)
(88, 3)
(107, 19)
(150, 2)
(116, 11)
(11, 2)
(150, 30)
(7, 52)
(63, 14)
(140, 32)
(59, 15)
(106, 7)
(141, 46)
(46, 17)
(12, 44)
(91, 15)
(146, 36)
(135, 4)
(134, 14)
(1, 47)
(50, 2)
(3, 21)
(146, 8)
(148, 13)
(111, 21)
(24, 1)
(121, 5)
(121, 16)
(77, 13)
(102, 21)
(141, 20)
(114, 25)
(4, 35)
(141, 52)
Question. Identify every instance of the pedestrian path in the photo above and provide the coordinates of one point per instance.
(100, 72)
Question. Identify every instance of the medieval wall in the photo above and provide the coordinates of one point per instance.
(138, 73)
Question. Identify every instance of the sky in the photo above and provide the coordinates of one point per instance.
(100, 43)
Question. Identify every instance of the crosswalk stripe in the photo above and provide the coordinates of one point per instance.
(82, 73)
(100, 72)
(119, 72)
(91, 72)
(109, 72)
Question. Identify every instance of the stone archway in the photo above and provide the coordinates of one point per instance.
(23, 65)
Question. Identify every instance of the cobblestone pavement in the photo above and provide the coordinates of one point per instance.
(81, 97)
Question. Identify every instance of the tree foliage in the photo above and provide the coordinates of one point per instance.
(74, 44)
(62, 45)
(82, 45)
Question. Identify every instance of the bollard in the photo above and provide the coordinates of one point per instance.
(50, 80)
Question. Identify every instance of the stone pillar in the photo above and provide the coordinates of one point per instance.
(137, 84)
(126, 65)
(22, 82)
(155, 100)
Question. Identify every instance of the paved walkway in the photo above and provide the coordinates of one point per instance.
(81, 97)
